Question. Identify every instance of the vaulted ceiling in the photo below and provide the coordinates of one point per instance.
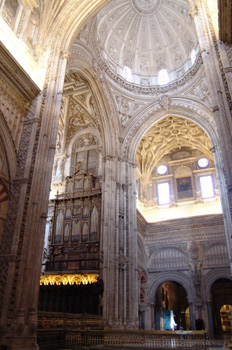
(170, 136)
(147, 35)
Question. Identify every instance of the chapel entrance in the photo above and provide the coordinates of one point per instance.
(171, 307)
(221, 301)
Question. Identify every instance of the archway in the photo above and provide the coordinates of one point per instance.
(175, 171)
(171, 309)
(182, 148)
(221, 301)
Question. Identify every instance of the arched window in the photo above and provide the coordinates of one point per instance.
(127, 73)
(193, 56)
(207, 186)
(163, 190)
(163, 77)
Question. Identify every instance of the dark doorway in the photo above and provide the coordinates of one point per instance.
(171, 307)
(221, 301)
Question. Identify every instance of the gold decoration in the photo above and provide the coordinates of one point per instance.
(69, 279)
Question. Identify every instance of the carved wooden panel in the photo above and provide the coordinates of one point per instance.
(76, 226)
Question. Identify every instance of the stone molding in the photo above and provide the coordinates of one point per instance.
(16, 76)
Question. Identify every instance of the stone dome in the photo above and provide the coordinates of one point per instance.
(141, 39)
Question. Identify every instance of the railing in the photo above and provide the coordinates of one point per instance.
(108, 339)
(52, 339)
(138, 339)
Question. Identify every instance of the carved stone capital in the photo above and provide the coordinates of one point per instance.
(65, 54)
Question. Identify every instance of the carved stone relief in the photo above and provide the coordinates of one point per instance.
(200, 91)
(168, 258)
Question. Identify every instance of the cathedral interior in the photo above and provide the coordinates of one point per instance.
(115, 171)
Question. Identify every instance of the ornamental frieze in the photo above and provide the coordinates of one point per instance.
(68, 279)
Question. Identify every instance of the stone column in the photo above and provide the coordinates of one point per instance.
(192, 315)
(120, 275)
(23, 236)
(152, 305)
(220, 94)
(109, 234)
(210, 319)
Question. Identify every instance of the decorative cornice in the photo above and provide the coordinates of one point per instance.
(69, 279)
(16, 77)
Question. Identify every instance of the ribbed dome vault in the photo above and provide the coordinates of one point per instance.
(146, 36)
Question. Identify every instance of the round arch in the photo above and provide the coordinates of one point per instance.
(179, 107)
(214, 275)
(173, 276)
(187, 109)
(8, 153)
(77, 134)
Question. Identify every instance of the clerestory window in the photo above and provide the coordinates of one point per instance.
(163, 77)
(207, 186)
(163, 191)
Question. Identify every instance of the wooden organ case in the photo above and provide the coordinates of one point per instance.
(75, 238)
